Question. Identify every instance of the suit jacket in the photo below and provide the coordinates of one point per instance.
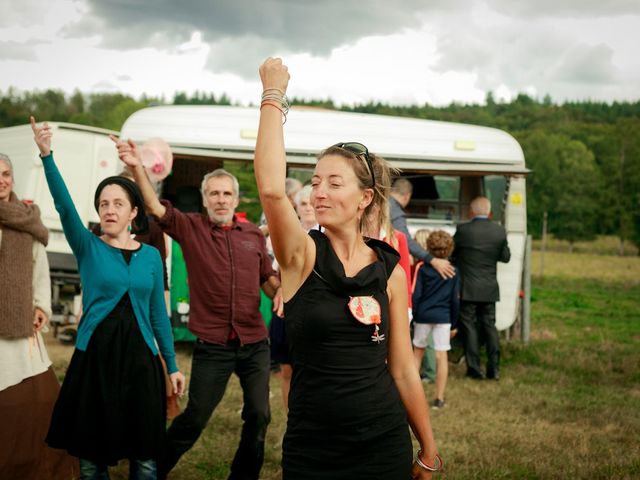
(479, 245)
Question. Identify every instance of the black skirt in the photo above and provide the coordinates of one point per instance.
(112, 401)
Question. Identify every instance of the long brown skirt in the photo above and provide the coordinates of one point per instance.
(25, 413)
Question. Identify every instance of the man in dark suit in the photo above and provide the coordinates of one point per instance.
(479, 245)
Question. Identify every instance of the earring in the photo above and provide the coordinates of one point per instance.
(129, 228)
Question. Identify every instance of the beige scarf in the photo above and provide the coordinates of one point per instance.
(21, 224)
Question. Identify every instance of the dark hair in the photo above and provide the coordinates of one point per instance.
(382, 172)
(140, 223)
(440, 244)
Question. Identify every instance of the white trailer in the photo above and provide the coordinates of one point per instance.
(448, 163)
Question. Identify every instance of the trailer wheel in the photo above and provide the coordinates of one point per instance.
(68, 336)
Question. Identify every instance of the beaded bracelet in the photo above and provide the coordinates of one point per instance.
(437, 463)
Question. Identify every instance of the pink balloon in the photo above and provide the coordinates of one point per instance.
(157, 159)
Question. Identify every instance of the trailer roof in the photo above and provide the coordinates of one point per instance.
(411, 144)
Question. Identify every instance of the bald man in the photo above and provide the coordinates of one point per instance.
(479, 245)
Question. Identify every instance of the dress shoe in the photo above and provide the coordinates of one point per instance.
(493, 375)
(475, 375)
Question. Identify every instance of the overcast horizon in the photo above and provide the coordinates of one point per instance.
(352, 53)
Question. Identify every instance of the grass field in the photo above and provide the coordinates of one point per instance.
(567, 406)
(602, 245)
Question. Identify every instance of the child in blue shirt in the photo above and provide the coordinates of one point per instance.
(435, 311)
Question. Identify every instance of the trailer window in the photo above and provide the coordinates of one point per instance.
(496, 190)
(436, 197)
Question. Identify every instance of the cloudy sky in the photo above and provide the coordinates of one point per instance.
(353, 51)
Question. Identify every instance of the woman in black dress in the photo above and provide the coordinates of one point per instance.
(355, 386)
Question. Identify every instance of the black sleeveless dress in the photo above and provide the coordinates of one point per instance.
(346, 419)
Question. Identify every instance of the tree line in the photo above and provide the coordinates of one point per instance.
(584, 156)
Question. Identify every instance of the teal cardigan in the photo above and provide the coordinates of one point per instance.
(106, 276)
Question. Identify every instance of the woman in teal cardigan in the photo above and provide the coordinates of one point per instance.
(111, 405)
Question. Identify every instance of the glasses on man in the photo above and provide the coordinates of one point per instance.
(359, 150)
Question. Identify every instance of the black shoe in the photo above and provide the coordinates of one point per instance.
(493, 375)
(475, 375)
(437, 404)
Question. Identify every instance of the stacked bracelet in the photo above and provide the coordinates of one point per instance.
(276, 98)
(437, 463)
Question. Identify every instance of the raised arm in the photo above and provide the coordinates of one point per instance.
(130, 155)
(291, 243)
(74, 229)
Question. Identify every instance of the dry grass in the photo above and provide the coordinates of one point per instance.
(568, 405)
(602, 245)
(587, 266)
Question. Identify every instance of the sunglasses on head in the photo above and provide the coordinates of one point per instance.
(359, 150)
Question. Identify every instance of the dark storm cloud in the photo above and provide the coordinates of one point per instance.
(243, 32)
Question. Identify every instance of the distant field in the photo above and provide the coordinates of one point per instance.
(603, 245)
(608, 268)
(567, 407)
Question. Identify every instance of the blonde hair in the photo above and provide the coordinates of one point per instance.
(422, 236)
(382, 173)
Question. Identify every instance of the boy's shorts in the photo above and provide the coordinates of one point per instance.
(441, 335)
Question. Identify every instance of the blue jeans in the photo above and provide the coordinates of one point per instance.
(211, 367)
(138, 470)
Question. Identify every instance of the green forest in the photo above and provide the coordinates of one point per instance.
(584, 156)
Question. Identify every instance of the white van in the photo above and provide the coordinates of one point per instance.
(449, 164)
(84, 155)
